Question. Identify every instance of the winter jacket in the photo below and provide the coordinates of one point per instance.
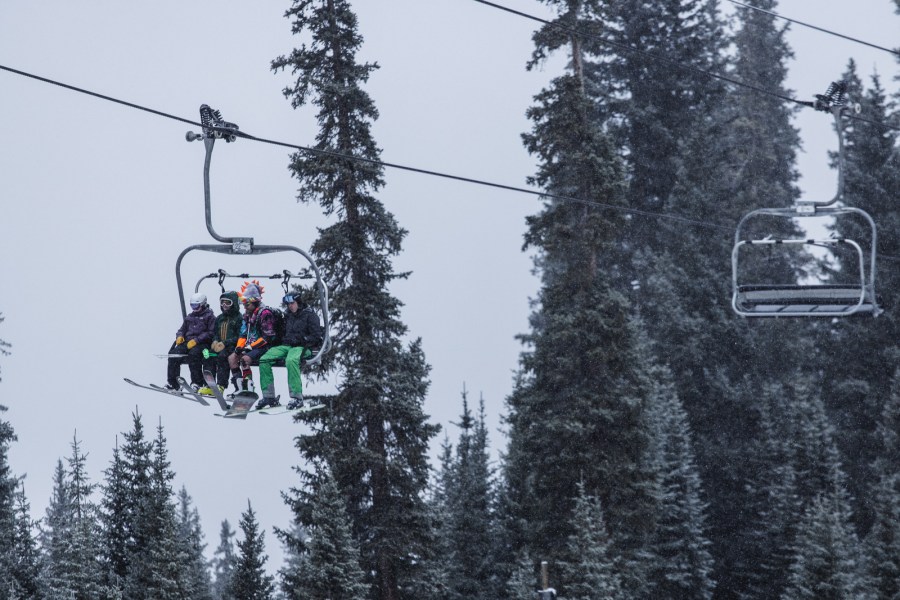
(198, 325)
(228, 324)
(258, 329)
(302, 328)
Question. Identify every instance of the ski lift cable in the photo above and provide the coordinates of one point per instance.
(822, 29)
(586, 35)
(386, 164)
(334, 154)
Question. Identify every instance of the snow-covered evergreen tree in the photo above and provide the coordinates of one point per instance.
(249, 580)
(115, 517)
(681, 564)
(464, 499)
(576, 408)
(828, 558)
(375, 435)
(12, 580)
(223, 563)
(158, 564)
(190, 539)
(589, 570)
(28, 565)
(56, 539)
(883, 540)
(325, 564)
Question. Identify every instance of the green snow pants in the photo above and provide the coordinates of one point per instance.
(291, 356)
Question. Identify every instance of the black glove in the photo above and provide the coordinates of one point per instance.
(239, 350)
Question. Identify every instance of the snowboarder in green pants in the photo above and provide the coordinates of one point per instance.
(302, 331)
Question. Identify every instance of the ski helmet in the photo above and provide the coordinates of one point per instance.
(198, 300)
(291, 297)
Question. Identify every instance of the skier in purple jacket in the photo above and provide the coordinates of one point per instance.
(194, 336)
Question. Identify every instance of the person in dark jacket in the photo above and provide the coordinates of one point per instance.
(258, 334)
(191, 339)
(302, 331)
(227, 330)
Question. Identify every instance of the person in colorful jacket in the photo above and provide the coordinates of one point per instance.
(302, 331)
(258, 331)
(227, 331)
(191, 339)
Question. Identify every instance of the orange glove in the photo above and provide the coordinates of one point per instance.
(191, 344)
(179, 340)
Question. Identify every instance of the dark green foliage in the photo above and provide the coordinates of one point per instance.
(26, 571)
(190, 540)
(682, 565)
(70, 537)
(883, 540)
(828, 559)
(223, 563)
(377, 436)
(857, 384)
(576, 409)
(157, 562)
(9, 576)
(464, 501)
(249, 580)
(325, 564)
(589, 570)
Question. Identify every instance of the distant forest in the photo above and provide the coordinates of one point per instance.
(659, 445)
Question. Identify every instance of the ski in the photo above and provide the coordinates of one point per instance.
(158, 388)
(189, 390)
(210, 380)
(283, 410)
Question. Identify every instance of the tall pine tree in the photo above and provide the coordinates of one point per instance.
(376, 437)
(249, 580)
(223, 563)
(465, 503)
(326, 563)
(576, 409)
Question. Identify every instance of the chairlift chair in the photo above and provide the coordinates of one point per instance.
(793, 299)
(214, 127)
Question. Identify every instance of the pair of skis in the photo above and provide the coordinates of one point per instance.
(241, 402)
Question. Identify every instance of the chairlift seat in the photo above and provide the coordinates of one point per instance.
(821, 300)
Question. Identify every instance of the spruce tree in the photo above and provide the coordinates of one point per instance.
(375, 435)
(883, 540)
(27, 567)
(856, 384)
(56, 538)
(223, 563)
(115, 518)
(157, 566)
(828, 560)
(8, 533)
(249, 580)
(589, 570)
(575, 411)
(71, 534)
(326, 562)
(465, 503)
(682, 565)
(190, 539)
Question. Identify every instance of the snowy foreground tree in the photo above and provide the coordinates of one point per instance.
(375, 436)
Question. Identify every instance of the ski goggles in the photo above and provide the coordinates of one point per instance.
(226, 302)
(195, 306)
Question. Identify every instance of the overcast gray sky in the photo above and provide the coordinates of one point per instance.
(99, 200)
